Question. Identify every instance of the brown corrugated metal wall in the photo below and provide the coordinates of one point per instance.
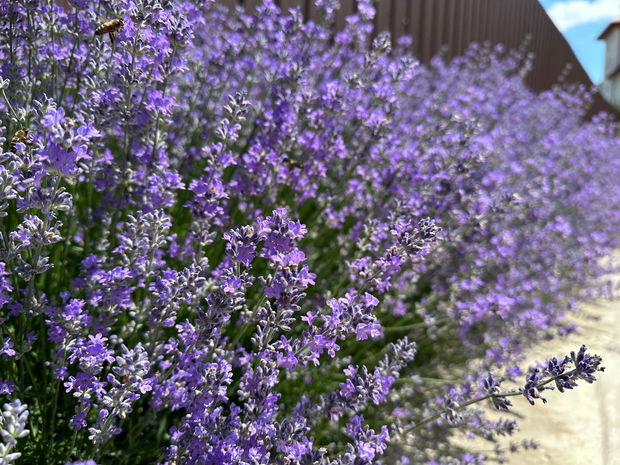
(452, 25)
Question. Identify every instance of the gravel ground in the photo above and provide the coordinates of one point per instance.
(580, 427)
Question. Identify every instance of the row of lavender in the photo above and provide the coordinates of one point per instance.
(250, 240)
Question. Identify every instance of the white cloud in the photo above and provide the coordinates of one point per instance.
(571, 13)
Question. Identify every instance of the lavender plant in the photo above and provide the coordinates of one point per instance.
(245, 239)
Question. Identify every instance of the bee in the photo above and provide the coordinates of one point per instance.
(22, 136)
(291, 164)
(110, 27)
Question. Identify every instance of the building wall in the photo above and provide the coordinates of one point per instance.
(611, 86)
(612, 50)
(610, 89)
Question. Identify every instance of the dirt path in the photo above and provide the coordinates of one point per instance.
(580, 427)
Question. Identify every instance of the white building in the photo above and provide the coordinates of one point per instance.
(610, 88)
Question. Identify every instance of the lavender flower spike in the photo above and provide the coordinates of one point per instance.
(12, 427)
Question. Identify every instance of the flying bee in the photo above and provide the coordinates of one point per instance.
(22, 136)
(111, 27)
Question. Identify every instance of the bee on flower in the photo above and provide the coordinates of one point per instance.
(111, 27)
(21, 136)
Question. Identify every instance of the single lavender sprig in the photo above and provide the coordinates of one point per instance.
(537, 380)
(560, 373)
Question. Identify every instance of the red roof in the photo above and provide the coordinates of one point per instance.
(610, 26)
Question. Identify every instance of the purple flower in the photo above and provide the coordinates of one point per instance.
(6, 387)
(5, 285)
(13, 427)
(53, 117)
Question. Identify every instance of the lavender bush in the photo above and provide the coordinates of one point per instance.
(234, 239)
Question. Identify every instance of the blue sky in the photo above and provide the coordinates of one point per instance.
(582, 21)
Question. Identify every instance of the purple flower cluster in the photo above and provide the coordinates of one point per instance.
(220, 231)
(13, 420)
